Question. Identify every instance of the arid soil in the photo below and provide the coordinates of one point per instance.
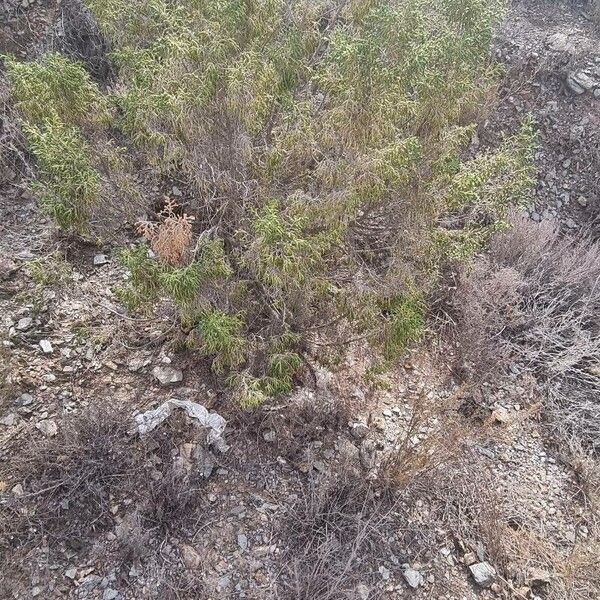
(297, 505)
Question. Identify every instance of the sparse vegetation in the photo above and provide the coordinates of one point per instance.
(530, 305)
(300, 221)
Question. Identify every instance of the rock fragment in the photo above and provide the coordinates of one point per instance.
(167, 375)
(483, 573)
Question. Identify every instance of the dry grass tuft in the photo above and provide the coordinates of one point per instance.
(530, 306)
(94, 477)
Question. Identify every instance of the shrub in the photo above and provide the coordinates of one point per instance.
(55, 89)
(530, 305)
(320, 151)
(68, 183)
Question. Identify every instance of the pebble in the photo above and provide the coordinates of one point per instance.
(413, 578)
(100, 259)
(46, 347)
(483, 574)
(24, 324)
(242, 540)
(167, 375)
(9, 420)
(48, 427)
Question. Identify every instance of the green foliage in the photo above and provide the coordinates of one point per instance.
(280, 250)
(68, 182)
(143, 286)
(220, 336)
(479, 193)
(404, 322)
(55, 89)
(52, 270)
(56, 98)
(322, 144)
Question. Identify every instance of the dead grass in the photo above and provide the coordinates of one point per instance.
(338, 531)
(530, 306)
(94, 477)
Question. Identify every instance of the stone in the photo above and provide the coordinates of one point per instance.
(384, 572)
(362, 591)
(47, 427)
(100, 259)
(571, 224)
(167, 375)
(191, 559)
(71, 573)
(9, 420)
(560, 42)
(242, 540)
(501, 415)
(135, 364)
(483, 573)
(24, 324)
(205, 461)
(413, 578)
(110, 594)
(359, 431)
(269, 436)
(582, 201)
(579, 82)
(176, 191)
(46, 347)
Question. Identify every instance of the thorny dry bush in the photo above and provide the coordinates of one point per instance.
(92, 478)
(531, 305)
(76, 34)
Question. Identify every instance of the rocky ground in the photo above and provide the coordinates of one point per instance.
(504, 517)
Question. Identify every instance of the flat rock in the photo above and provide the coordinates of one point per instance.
(167, 375)
(24, 324)
(100, 259)
(501, 415)
(483, 573)
(48, 427)
(413, 578)
(9, 420)
(46, 347)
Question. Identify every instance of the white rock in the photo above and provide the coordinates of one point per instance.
(24, 324)
(46, 347)
(47, 427)
(483, 574)
(167, 375)
(413, 578)
(100, 259)
(9, 420)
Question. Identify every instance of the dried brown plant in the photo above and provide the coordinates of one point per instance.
(171, 238)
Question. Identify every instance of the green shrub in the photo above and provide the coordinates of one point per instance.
(57, 100)
(321, 149)
(55, 89)
(220, 336)
(68, 183)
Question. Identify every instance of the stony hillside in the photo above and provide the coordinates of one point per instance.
(297, 338)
